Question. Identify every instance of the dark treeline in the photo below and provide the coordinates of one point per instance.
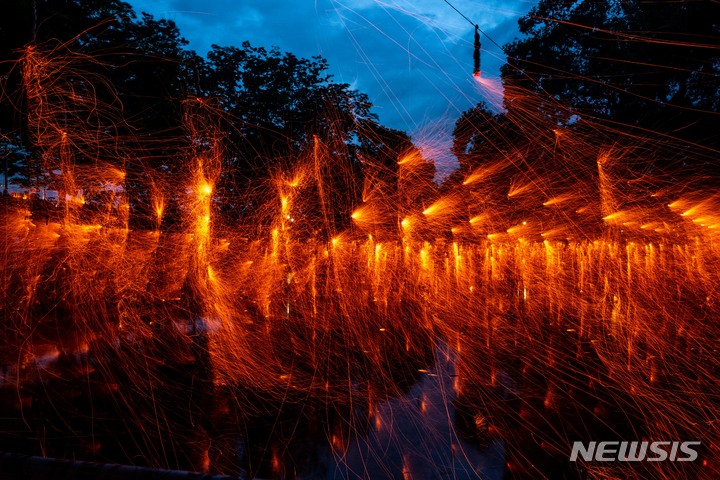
(129, 94)
(639, 74)
(629, 73)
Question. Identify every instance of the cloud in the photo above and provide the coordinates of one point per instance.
(412, 57)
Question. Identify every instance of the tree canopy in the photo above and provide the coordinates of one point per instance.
(637, 73)
(118, 89)
(639, 64)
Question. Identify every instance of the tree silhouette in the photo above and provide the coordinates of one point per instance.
(114, 93)
(277, 102)
(646, 65)
(106, 57)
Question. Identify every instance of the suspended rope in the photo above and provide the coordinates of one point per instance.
(476, 52)
(476, 43)
(461, 14)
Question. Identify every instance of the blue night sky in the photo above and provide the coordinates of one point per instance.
(413, 58)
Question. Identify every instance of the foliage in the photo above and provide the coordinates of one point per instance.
(122, 88)
(639, 64)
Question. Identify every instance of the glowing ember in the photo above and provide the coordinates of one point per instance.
(552, 293)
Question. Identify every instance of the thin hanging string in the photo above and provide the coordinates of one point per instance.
(474, 25)
(476, 52)
(461, 14)
(477, 64)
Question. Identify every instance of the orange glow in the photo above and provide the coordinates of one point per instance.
(533, 297)
(205, 189)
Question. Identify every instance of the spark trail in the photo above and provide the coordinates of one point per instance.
(573, 293)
